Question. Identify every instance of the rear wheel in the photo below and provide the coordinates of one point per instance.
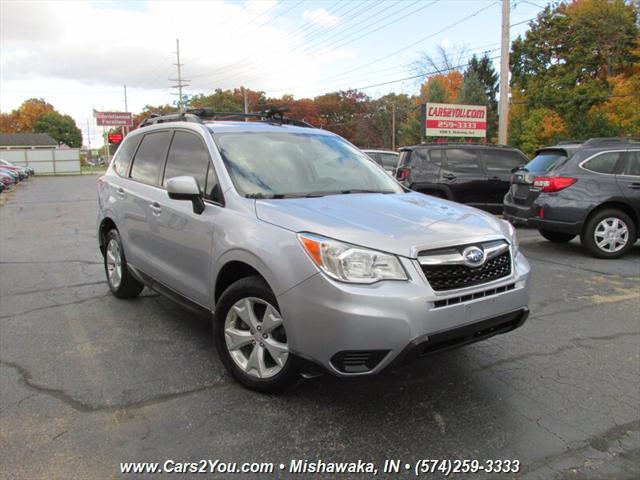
(251, 339)
(121, 282)
(609, 233)
(557, 237)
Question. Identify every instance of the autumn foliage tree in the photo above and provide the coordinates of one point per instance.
(37, 116)
(578, 60)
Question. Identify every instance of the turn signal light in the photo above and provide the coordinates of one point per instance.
(553, 184)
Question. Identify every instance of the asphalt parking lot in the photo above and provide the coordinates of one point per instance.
(88, 381)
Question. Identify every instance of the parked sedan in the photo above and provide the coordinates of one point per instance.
(28, 170)
(591, 189)
(7, 179)
(13, 173)
(387, 159)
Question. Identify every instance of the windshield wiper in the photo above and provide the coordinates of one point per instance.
(277, 196)
(359, 190)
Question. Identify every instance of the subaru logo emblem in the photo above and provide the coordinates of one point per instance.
(473, 256)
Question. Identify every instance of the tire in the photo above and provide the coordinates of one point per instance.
(599, 226)
(120, 281)
(260, 361)
(557, 237)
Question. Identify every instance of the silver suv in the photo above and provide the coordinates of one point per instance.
(306, 254)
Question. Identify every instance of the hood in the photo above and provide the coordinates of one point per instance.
(403, 224)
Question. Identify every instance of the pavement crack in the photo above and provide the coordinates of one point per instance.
(85, 407)
(571, 344)
(37, 309)
(60, 287)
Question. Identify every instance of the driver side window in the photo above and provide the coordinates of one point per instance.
(188, 155)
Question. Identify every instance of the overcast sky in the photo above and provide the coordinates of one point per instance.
(77, 55)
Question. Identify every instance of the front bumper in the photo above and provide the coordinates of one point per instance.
(352, 330)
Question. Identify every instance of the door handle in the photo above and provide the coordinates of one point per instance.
(449, 176)
(120, 191)
(634, 186)
(495, 179)
(155, 208)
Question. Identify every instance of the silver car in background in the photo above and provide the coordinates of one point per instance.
(307, 255)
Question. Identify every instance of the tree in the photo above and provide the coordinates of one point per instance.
(571, 50)
(23, 119)
(483, 68)
(473, 90)
(62, 128)
(542, 126)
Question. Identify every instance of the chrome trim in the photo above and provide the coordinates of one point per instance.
(491, 249)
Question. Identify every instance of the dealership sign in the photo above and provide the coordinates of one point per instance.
(113, 119)
(447, 120)
(115, 137)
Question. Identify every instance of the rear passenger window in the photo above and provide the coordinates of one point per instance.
(389, 160)
(124, 154)
(604, 163)
(189, 156)
(463, 160)
(435, 157)
(148, 162)
(502, 161)
(632, 164)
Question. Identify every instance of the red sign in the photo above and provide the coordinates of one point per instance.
(113, 119)
(115, 137)
(445, 120)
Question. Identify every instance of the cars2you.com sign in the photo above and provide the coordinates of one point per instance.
(447, 120)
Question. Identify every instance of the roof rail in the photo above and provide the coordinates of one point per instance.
(604, 141)
(570, 142)
(199, 115)
(461, 144)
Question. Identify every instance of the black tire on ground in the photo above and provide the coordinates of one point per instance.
(557, 237)
(128, 286)
(255, 287)
(589, 242)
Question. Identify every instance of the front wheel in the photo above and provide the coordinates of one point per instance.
(609, 234)
(557, 237)
(251, 339)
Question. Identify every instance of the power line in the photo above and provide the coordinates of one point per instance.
(477, 12)
(336, 44)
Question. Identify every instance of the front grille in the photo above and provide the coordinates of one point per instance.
(358, 361)
(473, 296)
(449, 277)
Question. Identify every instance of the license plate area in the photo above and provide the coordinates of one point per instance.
(521, 191)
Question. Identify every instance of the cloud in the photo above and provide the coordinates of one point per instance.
(320, 16)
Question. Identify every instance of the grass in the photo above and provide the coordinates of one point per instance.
(90, 169)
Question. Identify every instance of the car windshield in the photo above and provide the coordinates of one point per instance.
(286, 164)
(546, 160)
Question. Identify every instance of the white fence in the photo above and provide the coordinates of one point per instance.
(45, 161)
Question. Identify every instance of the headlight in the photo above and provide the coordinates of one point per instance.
(349, 263)
(513, 238)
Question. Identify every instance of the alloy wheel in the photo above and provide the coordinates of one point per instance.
(611, 234)
(255, 337)
(114, 264)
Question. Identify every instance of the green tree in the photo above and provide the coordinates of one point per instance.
(565, 59)
(473, 90)
(62, 128)
(483, 68)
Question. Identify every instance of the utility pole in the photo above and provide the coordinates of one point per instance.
(503, 122)
(246, 102)
(181, 82)
(393, 126)
(88, 142)
(125, 130)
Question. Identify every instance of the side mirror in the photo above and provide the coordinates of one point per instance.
(186, 188)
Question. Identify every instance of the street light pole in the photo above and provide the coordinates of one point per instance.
(503, 120)
(393, 126)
